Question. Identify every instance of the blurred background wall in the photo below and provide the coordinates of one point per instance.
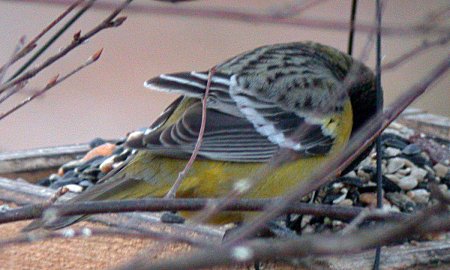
(107, 99)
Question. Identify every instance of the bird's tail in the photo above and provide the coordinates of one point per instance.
(118, 184)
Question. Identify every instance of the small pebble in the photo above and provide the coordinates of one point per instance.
(4, 208)
(74, 188)
(392, 140)
(118, 164)
(401, 200)
(403, 172)
(419, 173)
(65, 182)
(395, 164)
(96, 142)
(344, 192)
(107, 165)
(408, 182)
(54, 177)
(346, 202)
(389, 185)
(419, 160)
(411, 149)
(443, 188)
(102, 150)
(371, 199)
(86, 183)
(392, 152)
(363, 175)
(440, 169)
(168, 217)
(71, 165)
(419, 195)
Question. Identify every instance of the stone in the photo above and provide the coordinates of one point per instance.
(370, 199)
(441, 170)
(418, 173)
(402, 201)
(389, 185)
(392, 152)
(411, 149)
(69, 166)
(86, 183)
(419, 195)
(103, 150)
(65, 182)
(351, 181)
(408, 182)
(363, 175)
(74, 188)
(403, 172)
(393, 140)
(394, 178)
(346, 202)
(107, 165)
(395, 164)
(419, 160)
(96, 142)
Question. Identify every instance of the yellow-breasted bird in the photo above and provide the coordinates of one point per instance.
(285, 96)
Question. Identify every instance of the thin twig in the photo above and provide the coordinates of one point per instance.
(351, 33)
(433, 219)
(161, 205)
(249, 17)
(294, 9)
(32, 43)
(33, 237)
(52, 40)
(5, 67)
(379, 97)
(52, 83)
(416, 51)
(109, 22)
(173, 190)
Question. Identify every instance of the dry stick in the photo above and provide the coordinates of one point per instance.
(294, 9)
(52, 39)
(107, 23)
(428, 221)
(12, 91)
(364, 137)
(173, 190)
(52, 83)
(414, 52)
(379, 104)
(5, 67)
(243, 16)
(33, 237)
(160, 204)
(32, 44)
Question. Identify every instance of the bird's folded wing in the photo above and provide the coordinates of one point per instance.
(239, 127)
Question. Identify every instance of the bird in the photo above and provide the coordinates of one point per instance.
(302, 99)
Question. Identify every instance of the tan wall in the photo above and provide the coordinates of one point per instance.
(108, 98)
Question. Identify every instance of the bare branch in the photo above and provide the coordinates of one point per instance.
(434, 219)
(107, 23)
(32, 43)
(52, 83)
(248, 17)
(160, 204)
(416, 51)
(173, 190)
